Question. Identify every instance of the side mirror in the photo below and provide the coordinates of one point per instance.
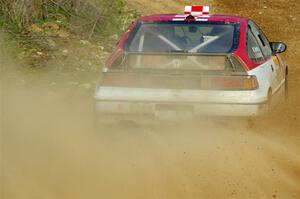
(278, 47)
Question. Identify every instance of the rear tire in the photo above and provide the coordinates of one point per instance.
(286, 87)
(256, 122)
(268, 108)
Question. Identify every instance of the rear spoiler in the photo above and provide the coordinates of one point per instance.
(178, 53)
(121, 61)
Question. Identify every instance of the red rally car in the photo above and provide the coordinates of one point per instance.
(192, 64)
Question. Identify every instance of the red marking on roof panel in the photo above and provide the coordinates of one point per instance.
(196, 10)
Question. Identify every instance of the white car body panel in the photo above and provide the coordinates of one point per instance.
(207, 102)
(179, 96)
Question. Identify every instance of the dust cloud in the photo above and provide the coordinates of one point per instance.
(51, 148)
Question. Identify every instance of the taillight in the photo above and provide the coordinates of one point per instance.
(250, 83)
(240, 81)
(230, 83)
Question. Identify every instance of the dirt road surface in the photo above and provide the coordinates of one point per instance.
(50, 147)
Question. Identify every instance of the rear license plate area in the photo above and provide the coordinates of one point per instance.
(170, 111)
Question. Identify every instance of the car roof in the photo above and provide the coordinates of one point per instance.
(212, 18)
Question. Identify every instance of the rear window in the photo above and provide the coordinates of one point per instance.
(188, 37)
(177, 63)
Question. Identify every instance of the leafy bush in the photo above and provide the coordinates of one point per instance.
(41, 26)
(85, 17)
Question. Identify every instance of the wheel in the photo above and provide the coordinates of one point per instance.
(286, 87)
(268, 109)
(101, 124)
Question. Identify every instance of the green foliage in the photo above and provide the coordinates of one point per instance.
(102, 18)
(89, 18)
(39, 25)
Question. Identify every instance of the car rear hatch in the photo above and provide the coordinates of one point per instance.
(173, 84)
(174, 77)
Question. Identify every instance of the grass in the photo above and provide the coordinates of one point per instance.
(41, 26)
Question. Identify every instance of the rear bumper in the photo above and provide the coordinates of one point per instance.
(120, 109)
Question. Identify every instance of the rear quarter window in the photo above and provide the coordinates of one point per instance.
(261, 40)
(253, 50)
